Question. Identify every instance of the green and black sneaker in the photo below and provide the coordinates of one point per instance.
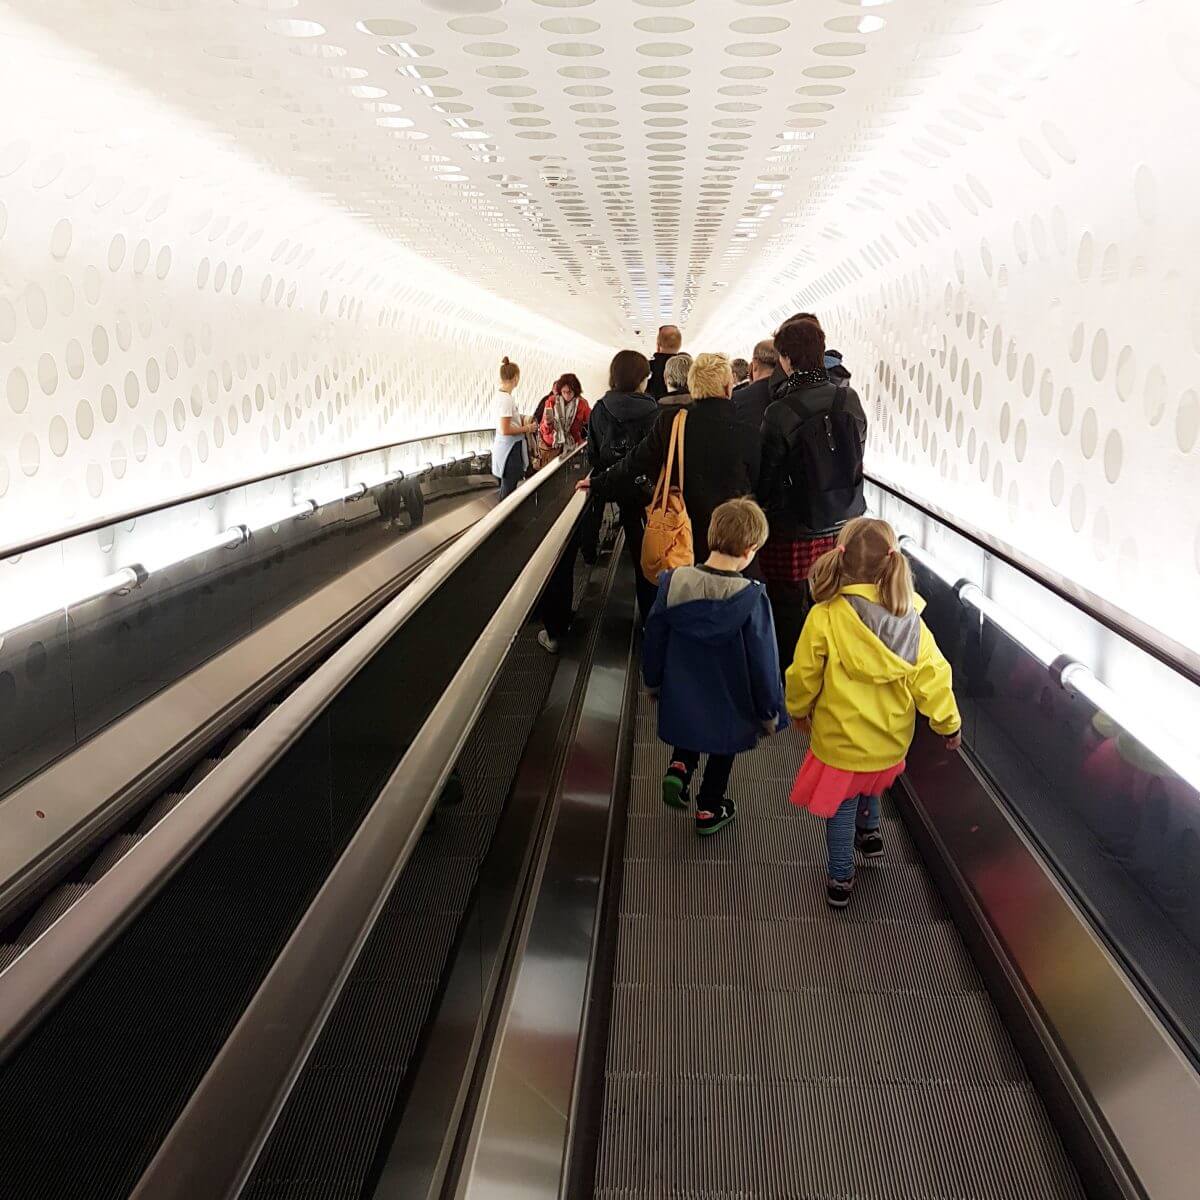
(675, 786)
(712, 820)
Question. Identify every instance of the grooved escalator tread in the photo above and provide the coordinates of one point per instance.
(763, 1046)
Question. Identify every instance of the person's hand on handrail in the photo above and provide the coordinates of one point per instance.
(584, 484)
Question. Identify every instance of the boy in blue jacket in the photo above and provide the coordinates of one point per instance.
(710, 655)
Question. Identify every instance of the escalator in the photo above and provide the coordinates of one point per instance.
(774, 1048)
(122, 991)
(429, 933)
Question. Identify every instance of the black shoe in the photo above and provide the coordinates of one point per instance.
(869, 843)
(711, 820)
(837, 892)
(675, 786)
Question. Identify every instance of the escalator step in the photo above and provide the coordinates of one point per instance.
(761, 1046)
(731, 952)
(114, 850)
(159, 809)
(53, 907)
(829, 1141)
(815, 1034)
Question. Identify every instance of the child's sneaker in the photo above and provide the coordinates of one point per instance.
(837, 892)
(675, 786)
(869, 843)
(710, 820)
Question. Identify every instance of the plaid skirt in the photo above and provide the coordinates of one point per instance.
(789, 560)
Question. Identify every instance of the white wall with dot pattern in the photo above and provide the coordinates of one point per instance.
(174, 315)
(1011, 272)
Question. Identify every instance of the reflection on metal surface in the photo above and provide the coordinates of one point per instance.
(86, 792)
(212, 1147)
(518, 1144)
(43, 971)
(415, 1164)
(1140, 1091)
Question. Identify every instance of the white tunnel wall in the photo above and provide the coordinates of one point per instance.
(174, 316)
(1010, 270)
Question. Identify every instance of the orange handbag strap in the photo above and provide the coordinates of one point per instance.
(663, 487)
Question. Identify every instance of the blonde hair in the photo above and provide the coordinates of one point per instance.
(508, 370)
(866, 552)
(737, 525)
(711, 375)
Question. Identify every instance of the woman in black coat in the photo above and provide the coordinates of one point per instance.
(721, 454)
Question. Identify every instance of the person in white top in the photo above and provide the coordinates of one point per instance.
(510, 453)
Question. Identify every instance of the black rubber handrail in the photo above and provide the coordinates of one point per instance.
(133, 514)
(1166, 650)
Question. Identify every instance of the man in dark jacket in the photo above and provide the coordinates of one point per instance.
(788, 495)
(670, 342)
(721, 455)
(751, 401)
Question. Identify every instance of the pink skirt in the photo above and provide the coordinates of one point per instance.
(821, 788)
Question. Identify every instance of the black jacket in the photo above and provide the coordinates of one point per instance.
(675, 400)
(751, 402)
(792, 402)
(634, 410)
(657, 387)
(721, 461)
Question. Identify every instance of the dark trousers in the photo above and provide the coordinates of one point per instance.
(589, 530)
(559, 595)
(716, 772)
(633, 523)
(514, 470)
(790, 606)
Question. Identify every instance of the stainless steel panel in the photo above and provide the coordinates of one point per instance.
(49, 965)
(72, 801)
(519, 1141)
(416, 1162)
(1140, 1093)
(212, 1147)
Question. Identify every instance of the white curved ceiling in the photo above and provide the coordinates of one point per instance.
(609, 163)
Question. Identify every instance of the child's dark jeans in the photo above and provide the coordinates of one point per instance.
(716, 772)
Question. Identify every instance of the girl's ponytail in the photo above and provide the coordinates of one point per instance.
(896, 584)
(866, 553)
(826, 574)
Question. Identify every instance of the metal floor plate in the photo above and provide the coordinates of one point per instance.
(764, 1046)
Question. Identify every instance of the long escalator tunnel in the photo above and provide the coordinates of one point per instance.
(318, 877)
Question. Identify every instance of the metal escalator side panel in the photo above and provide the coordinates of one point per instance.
(1125, 1095)
(212, 1147)
(529, 1088)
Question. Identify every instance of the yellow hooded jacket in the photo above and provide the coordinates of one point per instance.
(862, 674)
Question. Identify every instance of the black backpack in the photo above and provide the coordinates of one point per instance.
(619, 444)
(825, 464)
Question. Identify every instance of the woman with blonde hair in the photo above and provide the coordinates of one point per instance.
(865, 665)
(721, 454)
(510, 454)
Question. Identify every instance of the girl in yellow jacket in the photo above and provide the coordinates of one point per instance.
(865, 664)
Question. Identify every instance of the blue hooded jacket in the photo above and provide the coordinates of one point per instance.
(710, 651)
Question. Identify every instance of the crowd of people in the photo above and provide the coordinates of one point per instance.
(766, 595)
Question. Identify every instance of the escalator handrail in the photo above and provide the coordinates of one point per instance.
(133, 514)
(1166, 650)
(35, 980)
(212, 1148)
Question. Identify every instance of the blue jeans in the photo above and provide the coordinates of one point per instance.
(860, 812)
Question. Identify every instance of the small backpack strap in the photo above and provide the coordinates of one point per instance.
(677, 432)
(663, 486)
